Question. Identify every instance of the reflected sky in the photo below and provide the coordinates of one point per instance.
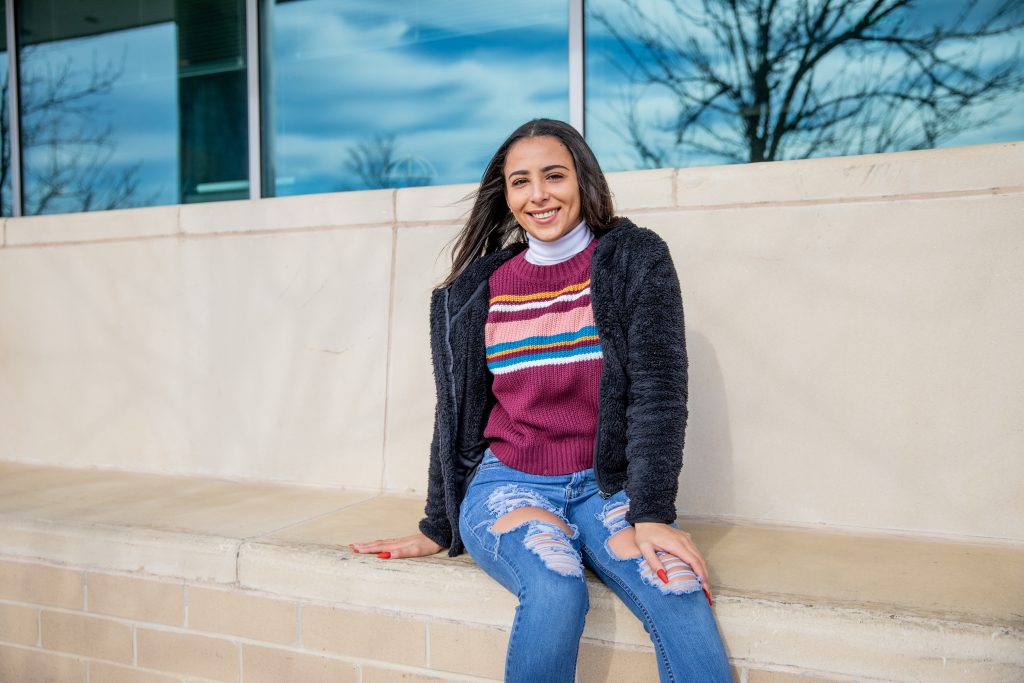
(446, 82)
(615, 87)
(122, 117)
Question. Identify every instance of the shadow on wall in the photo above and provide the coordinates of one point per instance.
(706, 482)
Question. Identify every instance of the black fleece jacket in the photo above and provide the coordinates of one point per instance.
(638, 309)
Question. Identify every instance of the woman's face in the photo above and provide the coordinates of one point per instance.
(541, 187)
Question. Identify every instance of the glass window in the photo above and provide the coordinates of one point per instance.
(693, 83)
(364, 95)
(131, 103)
(5, 121)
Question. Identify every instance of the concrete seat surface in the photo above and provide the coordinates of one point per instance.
(884, 607)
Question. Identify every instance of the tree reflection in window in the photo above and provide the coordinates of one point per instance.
(760, 80)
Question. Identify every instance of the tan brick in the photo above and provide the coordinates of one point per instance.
(372, 674)
(19, 624)
(33, 666)
(153, 601)
(603, 663)
(188, 654)
(759, 676)
(101, 672)
(467, 649)
(84, 635)
(41, 585)
(239, 614)
(364, 634)
(270, 665)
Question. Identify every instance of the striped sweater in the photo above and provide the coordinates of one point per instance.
(544, 355)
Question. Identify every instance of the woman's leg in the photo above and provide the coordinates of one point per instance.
(676, 614)
(519, 536)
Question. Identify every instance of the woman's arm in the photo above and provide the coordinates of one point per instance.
(656, 417)
(656, 408)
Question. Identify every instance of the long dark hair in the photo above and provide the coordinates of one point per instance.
(491, 225)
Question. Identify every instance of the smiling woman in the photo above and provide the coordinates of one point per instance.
(372, 95)
(561, 380)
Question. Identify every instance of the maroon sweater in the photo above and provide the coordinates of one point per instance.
(544, 355)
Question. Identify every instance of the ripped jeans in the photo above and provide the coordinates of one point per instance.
(542, 565)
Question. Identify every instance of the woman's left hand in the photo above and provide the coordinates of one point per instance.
(654, 536)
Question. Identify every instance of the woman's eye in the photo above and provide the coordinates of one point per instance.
(518, 181)
(555, 176)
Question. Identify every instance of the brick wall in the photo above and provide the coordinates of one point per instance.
(70, 625)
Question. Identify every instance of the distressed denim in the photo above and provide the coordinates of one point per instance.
(543, 567)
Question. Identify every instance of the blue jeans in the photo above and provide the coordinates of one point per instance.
(542, 566)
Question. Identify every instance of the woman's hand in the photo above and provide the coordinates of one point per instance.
(415, 545)
(654, 536)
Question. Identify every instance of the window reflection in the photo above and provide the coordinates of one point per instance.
(365, 95)
(5, 130)
(694, 83)
(131, 103)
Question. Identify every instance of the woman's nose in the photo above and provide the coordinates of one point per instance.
(540, 193)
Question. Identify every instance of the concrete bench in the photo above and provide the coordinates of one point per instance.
(130, 577)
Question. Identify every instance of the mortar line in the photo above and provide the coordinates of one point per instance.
(180, 235)
(387, 351)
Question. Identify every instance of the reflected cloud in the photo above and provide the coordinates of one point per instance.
(448, 94)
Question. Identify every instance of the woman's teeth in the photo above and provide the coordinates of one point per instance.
(545, 214)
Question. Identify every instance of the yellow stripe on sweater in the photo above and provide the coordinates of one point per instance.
(539, 295)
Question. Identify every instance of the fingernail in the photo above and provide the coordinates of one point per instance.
(707, 594)
(663, 576)
(384, 555)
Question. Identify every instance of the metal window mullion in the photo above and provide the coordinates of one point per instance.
(252, 52)
(576, 66)
(13, 110)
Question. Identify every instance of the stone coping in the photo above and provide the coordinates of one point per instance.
(830, 595)
(974, 169)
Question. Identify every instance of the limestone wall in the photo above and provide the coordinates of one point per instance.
(853, 326)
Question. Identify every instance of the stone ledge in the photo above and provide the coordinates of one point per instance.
(971, 169)
(835, 603)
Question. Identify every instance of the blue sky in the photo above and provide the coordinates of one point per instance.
(449, 79)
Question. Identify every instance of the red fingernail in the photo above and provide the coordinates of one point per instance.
(384, 555)
(707, 594)
(663, 576)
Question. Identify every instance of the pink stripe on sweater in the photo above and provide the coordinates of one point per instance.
(552, 323)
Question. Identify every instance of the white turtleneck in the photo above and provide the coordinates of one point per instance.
(541, 253)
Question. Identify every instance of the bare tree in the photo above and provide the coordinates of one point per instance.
(760, 80)
(68, 155)
(376, 162)
(372, 160)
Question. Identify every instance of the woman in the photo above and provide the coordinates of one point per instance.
(560, 367)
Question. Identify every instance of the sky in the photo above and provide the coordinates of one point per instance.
(447, 79)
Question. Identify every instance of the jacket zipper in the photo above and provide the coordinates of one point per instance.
(597, 450)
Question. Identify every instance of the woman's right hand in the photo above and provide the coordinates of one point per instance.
(415, 545)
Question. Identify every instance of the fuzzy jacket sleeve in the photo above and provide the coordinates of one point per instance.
(435, 525)
(656, 410)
